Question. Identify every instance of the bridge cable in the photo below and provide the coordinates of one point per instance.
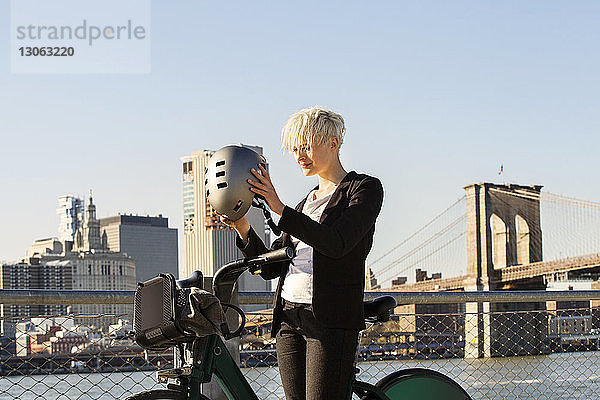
(422, 245)
(418, 231)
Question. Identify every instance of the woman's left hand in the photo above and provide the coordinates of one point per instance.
(264, 187)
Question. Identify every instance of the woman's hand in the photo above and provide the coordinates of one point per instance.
(242, 226)
(264, 187)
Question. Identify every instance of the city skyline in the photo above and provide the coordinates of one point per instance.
(436, 97)
(59, 235)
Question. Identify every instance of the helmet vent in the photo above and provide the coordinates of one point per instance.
(238, 205)
(206, 181)
(207, 192)
(220, 173)
(220, 163)
(221, 185)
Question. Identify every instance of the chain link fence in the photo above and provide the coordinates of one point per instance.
(543, 349)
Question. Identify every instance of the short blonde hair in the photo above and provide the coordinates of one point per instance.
(313, 125)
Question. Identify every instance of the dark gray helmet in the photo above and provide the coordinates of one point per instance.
(227, 188)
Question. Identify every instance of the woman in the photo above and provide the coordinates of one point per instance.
(318, 310)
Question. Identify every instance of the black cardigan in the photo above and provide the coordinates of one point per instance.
(340, 240)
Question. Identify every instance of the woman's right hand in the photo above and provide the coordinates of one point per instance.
(242, 226)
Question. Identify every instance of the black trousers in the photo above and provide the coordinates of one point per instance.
(315, 363)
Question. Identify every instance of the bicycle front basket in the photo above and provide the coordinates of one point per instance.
(154, 314)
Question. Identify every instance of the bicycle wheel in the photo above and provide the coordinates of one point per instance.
(161, 394)
(421, 384)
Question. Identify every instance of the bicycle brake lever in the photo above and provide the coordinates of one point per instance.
(254, 270)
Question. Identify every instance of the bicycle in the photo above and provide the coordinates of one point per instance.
(207, 356)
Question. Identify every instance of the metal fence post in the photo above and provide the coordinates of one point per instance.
(477, 330)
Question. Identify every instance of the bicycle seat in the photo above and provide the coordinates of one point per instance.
(379, 309)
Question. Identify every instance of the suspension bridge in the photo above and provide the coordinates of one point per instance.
(491, 239)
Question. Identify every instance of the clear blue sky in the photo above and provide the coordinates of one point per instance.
(436, 95)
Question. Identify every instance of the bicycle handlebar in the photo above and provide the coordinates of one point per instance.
(285, 253)
(226, 277)
(194, 280)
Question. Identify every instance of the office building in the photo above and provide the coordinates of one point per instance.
(42, 247)
(70, 215)
(100, 270)
(149, 240)
(94, 270)
(209, 244)
(32, 276)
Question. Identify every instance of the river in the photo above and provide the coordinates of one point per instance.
(558, 376)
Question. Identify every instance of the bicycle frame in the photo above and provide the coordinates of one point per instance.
(214, 359)
(217, 361)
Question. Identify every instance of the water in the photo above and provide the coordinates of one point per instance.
(559, 376)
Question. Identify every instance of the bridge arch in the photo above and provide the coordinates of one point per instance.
(500, 236)
(503, 229)
(523, 237)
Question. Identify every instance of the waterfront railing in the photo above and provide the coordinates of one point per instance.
(497, 344)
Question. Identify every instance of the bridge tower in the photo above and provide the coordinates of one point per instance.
(503, 229)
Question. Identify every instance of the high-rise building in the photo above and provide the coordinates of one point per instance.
(32, 276)
(209, 244)
(70, 215)
(149, 240)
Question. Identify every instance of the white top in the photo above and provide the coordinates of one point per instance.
(298, 283)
